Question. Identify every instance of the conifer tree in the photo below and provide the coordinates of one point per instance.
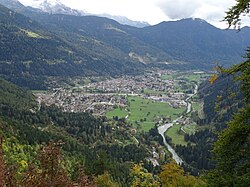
(232, 150)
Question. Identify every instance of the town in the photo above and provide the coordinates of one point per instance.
(100, 97)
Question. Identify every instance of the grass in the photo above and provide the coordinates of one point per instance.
(40, 91)
(196, 77)
(142, 109)
(31, 34)
(193, 77)
(149, 91)
(176, 135)
(145, 113)
(167, 77)
(121, 113)
(190, 129)
(196, 106)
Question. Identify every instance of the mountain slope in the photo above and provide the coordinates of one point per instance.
(29, 51)
(102, 31)
(193, 42)
(64, 45)
(95, 144)
(197, 42)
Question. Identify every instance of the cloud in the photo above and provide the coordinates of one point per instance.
(153, 11)
(178, 9)
(210, 10)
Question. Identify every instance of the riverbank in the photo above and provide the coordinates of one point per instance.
(162, 129)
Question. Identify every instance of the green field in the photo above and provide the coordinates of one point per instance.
(119, 112)
(39, 91)
(148, 91)
(176, 135)
(167, 77)
(196, 77)
(190, 129)
(196, 106)
(144, 113)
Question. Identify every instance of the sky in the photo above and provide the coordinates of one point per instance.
(153, 11)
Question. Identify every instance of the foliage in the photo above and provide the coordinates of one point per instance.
(84, 180)
(51, 172)
(141, 177)
(232, 153)
(104, 180)
(234, 13)
(232, 150)
(97, 144)
(242, 72)
(197, 153)
(172, 175)
(2, 165)
(12, 96)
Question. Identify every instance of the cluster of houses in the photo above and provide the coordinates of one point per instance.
(131, 84)
(99, 97)
(70, 101)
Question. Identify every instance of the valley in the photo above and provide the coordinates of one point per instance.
(143, 100)
(161, 98)
(86, 100)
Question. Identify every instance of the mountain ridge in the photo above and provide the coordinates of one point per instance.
(31, 51)
(57, 7)
(65, 45)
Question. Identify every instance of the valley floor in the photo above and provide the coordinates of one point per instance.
(145, 101)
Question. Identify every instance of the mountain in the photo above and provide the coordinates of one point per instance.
(31, 52)
(56, 7)
(40, 45)
(196, 41)
(193, 42)
(221, 100)
(125, 21)
(102, 30)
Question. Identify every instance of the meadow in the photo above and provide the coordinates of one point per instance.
(144, 113)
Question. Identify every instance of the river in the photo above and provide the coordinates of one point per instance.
(162, 129)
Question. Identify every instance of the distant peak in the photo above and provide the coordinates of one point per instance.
(52, 2)
(194, 19)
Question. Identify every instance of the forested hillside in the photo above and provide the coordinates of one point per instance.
(44, 45)
(222, 100)
(192, 42)
(90, 146)
(196, 42)
(43, 145)
(29, 53)
(25, 127)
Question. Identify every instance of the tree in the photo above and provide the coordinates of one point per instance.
(172, 175)
(233, 15)
(2, 165)
(232, 150)
(84, 180)
(104, 180)
(51, 173)
(141, 177)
